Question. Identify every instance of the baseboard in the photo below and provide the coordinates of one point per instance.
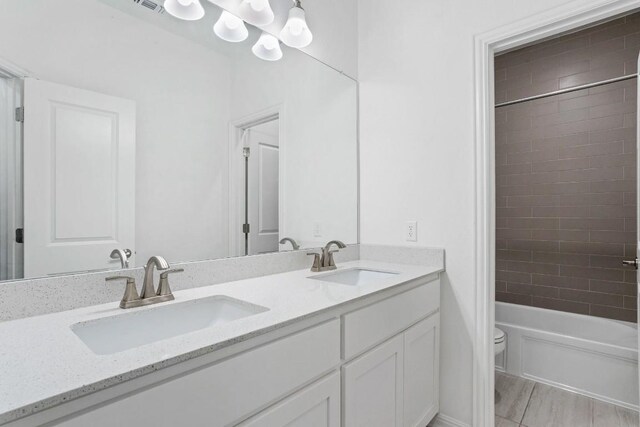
(442, 420)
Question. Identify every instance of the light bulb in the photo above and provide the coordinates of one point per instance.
(267, 47)
(189, 10)
(256, 12)
(230, 28)
(296, 32)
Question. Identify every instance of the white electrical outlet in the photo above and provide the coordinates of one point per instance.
(411, 231)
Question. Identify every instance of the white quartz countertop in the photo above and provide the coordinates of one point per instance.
(43, 362)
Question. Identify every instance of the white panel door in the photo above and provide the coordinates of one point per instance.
(79, 178)
(421, 372)
(373, 389)
(318, 405)
(263, 192)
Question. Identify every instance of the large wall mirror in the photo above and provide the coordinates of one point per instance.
(147, 135)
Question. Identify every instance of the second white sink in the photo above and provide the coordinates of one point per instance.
(355, 276)
(129, 330)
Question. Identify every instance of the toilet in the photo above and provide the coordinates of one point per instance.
(499, 341)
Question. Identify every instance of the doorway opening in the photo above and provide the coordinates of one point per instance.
(255, 206)
(566, 216)
(562, 21)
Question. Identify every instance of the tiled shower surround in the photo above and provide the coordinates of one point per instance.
(565, 173)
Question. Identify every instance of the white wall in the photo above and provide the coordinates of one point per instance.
(318, 141)
(416, 75)
(182, 93)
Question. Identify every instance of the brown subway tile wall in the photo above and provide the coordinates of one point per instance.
(566, 171)
(602, 52)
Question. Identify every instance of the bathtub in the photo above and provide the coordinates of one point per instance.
(585, 354)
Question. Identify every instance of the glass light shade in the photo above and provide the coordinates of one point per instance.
(267, 47)
(296, 33)
(256, 12)
(230, 28)
(189, 10)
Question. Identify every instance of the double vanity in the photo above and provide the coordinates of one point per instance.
(354, 346)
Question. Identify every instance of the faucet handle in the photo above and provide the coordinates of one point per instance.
(130, 292)
(163, 287)
(330, 262)
(316, 261)
(166, 273)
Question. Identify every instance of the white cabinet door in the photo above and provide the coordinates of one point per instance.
(421, 372)
(79, 178)
(373, 387)
(315, 406)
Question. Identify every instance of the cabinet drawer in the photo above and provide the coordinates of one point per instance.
(223, 393)
(371, 325)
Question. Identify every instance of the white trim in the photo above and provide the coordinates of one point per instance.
(581, 392)
(236, 177)
(563, 19)
(16, 196)
(442, 420)
(10, 70)
(14, 251)
(637, 200)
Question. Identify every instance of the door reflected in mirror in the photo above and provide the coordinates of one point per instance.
(261, 156)
(130, 133)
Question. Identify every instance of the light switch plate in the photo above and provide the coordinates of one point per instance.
(411, 231)
(317, 229)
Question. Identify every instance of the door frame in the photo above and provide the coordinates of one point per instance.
(236, 172)
(551, 23)
(12, 71)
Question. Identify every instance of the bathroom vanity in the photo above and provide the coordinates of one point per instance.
(357, 346)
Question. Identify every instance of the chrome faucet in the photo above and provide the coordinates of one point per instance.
(123, 254)
(295, 245)
(325, 261)
(149, 295)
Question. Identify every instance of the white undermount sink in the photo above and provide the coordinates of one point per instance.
(129, 330)
(355, 276)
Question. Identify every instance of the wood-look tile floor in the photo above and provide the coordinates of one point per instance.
(525, 403)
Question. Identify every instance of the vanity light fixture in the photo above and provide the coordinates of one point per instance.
(230, 28)
(267, 47)
(296, 32)
(188, 10)
(256, 12)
